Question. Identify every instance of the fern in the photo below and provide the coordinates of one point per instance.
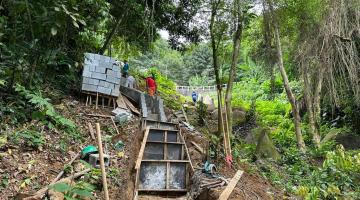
(47, 113)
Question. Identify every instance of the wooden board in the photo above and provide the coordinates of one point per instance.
(142, 149)
(131, 106)
(120, 102)
(229, 188)
(91, 131)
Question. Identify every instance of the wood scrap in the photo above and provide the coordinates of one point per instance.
(98, 115)
(187, 151)
(131, 107)
(142, 149)
(120, 102)
(102, 164)
(197, 147)
(184, 113)
(229, 188)
(116, 128)
(91, 130)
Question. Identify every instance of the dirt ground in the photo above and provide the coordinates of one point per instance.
(27, 170)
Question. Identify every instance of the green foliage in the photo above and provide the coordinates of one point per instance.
(46, 113)
(30, 138)
(201, 110)
(337, 179)
(78, 191)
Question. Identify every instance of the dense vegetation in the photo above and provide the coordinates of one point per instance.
(295, 64)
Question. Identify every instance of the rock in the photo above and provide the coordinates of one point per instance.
(264, 145)
(239, 116)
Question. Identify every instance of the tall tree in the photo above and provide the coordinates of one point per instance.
(217, 29)
(289, 93)
(238, 23)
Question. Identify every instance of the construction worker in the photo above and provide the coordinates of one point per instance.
(130, 81)
(151, 86)
(194, 97)
(125, 69)
(151, 89)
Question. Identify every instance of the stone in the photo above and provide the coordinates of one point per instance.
(94, 160)
(99, 76)
(238, 116)
(265, 147)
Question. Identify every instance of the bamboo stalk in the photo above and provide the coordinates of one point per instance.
(102, 164)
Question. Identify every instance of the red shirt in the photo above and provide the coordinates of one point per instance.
(150, 82)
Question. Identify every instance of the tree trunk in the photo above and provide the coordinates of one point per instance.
(310, 107)
(269, 57)
(214, 46)
(289, 93)
(235, 56)
(111, 34)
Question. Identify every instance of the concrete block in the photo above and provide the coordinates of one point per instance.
(87, 74)
(110, 72)
(100, 69)
(117, 87)
(111, 86)
(117, 74)
(92, 68)
(116, 68)
(88, 61)
(93, 81)
(115, 93)
(86, 68)
(94, 160)
(99, 76)
(104, 90)
(112, 79)
(107, 65)
(105, 84)
(85, 80)
(89, 88)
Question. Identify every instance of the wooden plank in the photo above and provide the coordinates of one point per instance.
(116, 128)
(229, 188)
(159, 142)
(184, 113)
(91, 129)
(120, 102)
(131, 106)
(187, 152)
(197, 147)
(102, 164)
(171, 161)
(142, 149)
(162, 190)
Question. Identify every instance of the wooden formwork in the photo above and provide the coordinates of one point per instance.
(163, 164)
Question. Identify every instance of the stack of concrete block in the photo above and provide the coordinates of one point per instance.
(101, 75)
